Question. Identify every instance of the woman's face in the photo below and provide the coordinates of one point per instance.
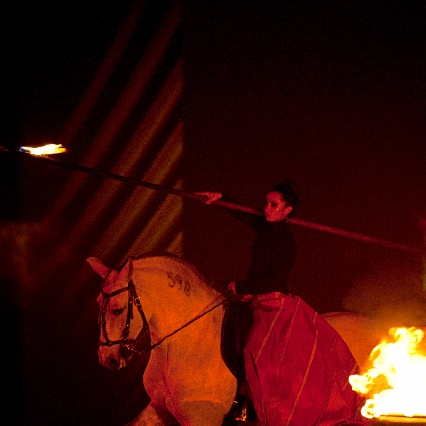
(276, 208)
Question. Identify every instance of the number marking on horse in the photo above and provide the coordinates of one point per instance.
(176, 280)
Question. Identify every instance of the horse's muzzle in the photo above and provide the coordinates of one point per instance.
(126, 350)
(110, 358)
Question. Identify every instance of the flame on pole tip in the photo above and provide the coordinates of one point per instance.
(396, 383)
(43, 150)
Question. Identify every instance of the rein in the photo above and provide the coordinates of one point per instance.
(124, 342)
(149, 348)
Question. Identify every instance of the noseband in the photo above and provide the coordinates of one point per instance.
(124, 342)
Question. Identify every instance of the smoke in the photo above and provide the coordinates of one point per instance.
(393, 295)
(21, 245)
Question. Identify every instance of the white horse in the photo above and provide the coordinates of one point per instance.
(186, 378)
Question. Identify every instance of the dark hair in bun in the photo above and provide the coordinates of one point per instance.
(289, 194)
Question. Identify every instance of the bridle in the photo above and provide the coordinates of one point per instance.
(133, 299)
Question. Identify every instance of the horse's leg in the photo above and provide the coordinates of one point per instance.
(154, 415)
(202, 413)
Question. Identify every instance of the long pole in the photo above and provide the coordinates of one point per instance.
(356, 236)
(229, 205)
(138, 182)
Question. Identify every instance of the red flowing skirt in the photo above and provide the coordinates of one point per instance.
(297, 366)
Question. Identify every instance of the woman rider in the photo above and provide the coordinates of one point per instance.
(297, 366)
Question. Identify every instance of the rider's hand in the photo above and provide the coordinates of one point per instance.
(231, 287)
(243, 297)
(211, 196)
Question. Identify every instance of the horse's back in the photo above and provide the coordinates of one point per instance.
(360, 333)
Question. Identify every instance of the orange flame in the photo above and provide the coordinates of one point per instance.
(43, 150)
(396, 383)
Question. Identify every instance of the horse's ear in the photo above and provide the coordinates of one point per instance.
(130, 268)
(98, 266)
(126, 271)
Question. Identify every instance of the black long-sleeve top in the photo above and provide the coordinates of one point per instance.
(273, 255)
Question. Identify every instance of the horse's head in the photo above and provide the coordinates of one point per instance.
(119, 328)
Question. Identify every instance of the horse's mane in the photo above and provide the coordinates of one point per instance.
(210, 283)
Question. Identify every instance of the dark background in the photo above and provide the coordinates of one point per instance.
(329, 94)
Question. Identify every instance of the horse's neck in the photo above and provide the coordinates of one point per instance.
(171, 293)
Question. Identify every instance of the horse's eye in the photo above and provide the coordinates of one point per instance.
(117, 312)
